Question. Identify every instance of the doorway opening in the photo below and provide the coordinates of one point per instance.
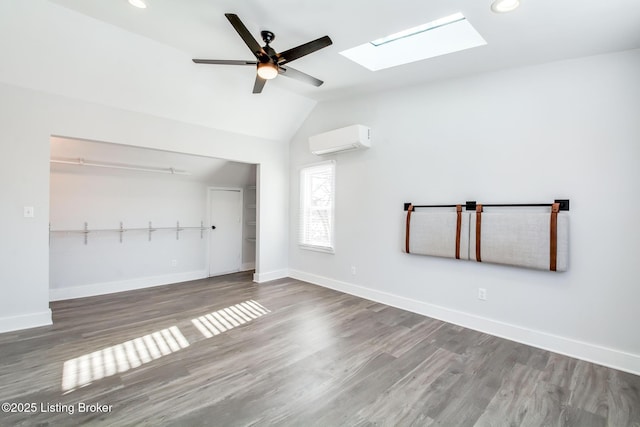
(124, 217)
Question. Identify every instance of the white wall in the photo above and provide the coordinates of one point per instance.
(27, 121)
(568, 129)
(105, 199)
(24, 181)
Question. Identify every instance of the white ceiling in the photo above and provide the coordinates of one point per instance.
(539, 31)
(110, 53)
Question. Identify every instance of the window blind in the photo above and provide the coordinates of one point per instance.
(317, 199)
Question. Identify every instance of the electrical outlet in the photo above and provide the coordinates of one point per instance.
(482, 294)
(174, 262)
(28, 212)
(353, 270)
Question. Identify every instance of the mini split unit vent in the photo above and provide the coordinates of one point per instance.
(353, 137)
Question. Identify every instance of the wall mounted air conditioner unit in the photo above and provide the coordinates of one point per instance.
(353, 137)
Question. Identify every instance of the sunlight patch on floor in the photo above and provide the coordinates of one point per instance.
(84, 370)
(215, 323)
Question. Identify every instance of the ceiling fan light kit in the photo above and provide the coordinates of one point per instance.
(504, 6)
(267, 70)
(270, 63)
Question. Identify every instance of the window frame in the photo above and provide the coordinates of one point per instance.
(302, 193)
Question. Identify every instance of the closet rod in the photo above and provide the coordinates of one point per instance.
(82, 162)
(470, 205)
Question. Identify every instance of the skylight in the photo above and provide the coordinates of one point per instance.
(419, 29)
(450, 34)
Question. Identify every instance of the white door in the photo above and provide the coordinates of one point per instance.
(225, 243)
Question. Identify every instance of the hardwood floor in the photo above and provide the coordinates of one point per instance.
(227, 352)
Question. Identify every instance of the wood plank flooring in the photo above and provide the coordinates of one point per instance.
(227, 352)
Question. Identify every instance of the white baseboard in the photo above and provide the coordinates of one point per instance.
(594, 353)
(271, 275)
(25, 321)
(123, 285)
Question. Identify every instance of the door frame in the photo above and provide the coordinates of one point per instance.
(208, 222)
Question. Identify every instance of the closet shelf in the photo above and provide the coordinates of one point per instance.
(150, 229)
(106, 230)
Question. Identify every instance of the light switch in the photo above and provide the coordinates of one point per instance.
(28, 212)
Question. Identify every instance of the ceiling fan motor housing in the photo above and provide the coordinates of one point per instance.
(267, 36)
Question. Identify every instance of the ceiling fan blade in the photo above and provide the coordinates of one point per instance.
(224, 61)
(245, 35)
(299, 75)
(303, 49)
(259, 84)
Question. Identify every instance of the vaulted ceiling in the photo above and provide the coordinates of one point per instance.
(111, 53)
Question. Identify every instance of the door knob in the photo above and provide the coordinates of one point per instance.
(213, 227)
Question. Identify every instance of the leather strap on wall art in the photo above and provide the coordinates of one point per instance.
(409, 210)
(458, 227)
(553, 247)
(478, 231)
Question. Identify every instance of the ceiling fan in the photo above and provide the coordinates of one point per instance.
(270, 63)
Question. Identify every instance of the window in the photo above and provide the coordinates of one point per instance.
(317, 206)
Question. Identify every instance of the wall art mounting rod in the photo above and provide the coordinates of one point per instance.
(470, 205)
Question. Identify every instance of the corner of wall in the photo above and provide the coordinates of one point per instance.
(271, 275)
(25, 321)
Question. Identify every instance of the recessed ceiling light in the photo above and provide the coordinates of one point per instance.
(503, 6)
(138, 3)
